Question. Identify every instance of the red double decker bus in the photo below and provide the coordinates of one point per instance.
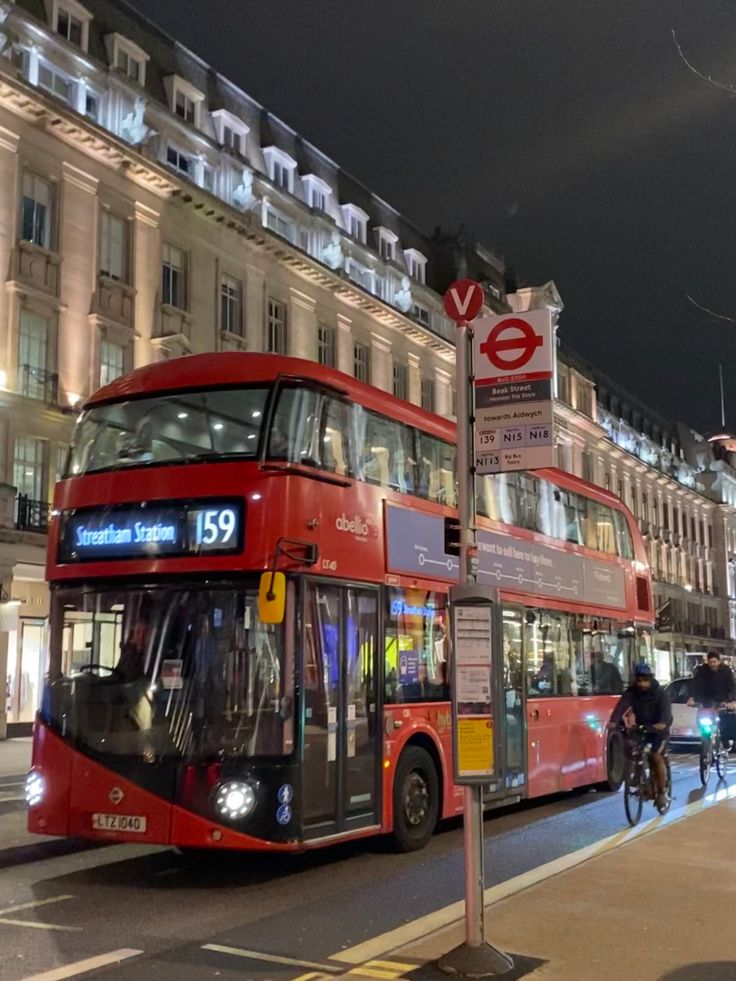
(249, 631)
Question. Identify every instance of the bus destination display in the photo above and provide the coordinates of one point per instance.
(141, 530)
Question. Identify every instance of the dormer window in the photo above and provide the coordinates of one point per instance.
(185, 107)
(355, 221)
(316, 192)
(281, 168)
(71, 20)
(231, 131)
(128, 58)
(387, 243)
(416, 264)
(185, 100)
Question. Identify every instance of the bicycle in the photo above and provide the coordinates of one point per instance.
(712, 748)
(639, 783)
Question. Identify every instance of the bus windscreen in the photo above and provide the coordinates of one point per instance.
(170, 428)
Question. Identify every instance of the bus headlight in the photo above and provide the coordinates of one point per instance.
(34, 788)
(235, 799)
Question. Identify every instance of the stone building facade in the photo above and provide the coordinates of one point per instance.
(150, 209)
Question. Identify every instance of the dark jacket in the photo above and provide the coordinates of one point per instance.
(713, 687)
(650, 707)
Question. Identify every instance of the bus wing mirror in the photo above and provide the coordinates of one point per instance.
(272, 597)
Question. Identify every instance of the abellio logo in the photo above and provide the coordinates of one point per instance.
(353, 526)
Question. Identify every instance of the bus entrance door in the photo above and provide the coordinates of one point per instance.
(511, 680)
(339, 738)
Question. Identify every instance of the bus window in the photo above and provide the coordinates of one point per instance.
(623, 536)
(387, 457)
(605, 533)
(335, 438)
(499, 491)
(436, 470)
(295, 427)
(179, 671)
(548, 645)
(551, 511)
(168, 429)
(602, 658)
(528, 496)
(416, 647)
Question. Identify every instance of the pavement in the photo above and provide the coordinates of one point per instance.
(652, 904)
(15, 756)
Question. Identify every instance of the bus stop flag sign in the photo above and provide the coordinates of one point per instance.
(514, 361)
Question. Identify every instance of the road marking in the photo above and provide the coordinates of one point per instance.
(34, 905)
(36, 925)
(390, 970)
(257, 955)
(82, 967)
(411, 932)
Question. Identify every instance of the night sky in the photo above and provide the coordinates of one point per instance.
(566, 134)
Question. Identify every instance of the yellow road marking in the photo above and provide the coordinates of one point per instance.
(374, 972)
(393, 965)
(408, 933)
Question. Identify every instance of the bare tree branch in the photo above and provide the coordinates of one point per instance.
(723, 86)
(711, 313)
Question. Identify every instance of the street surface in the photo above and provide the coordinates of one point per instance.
(127, 912)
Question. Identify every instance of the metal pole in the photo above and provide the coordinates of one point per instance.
(723, 400)
(472, 796)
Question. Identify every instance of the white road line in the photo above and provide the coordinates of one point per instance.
(34, 905)
(82, 967)
(256, 955)
(417, 929)
(36, 925)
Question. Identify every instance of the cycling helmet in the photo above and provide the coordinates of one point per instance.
(643, 670)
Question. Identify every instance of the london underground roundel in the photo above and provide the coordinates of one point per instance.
(514, 346)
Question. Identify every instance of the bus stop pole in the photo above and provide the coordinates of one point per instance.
(474, 958)
(472, 809)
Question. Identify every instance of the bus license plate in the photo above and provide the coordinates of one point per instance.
(132, 823)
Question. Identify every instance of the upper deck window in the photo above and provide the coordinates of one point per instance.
(177, 428)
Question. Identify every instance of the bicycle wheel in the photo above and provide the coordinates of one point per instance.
(664, 803)
(633, 794)
(721, 760)
(706, 759)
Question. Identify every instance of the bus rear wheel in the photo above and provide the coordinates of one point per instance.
(416, 799)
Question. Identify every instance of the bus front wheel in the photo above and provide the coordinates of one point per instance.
(615, 762)
(416, 799)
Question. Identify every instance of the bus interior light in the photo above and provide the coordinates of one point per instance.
(235, 799)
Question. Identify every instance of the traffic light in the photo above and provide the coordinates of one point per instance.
(452, 536)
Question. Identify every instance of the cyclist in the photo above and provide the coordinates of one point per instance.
(647, 701)
(714, 685)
